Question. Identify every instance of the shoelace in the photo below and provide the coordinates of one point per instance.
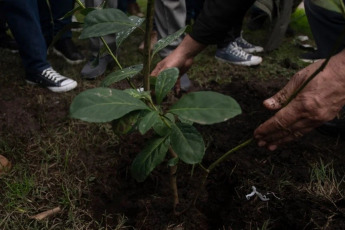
(237, 51)
(51, 74)
(245, 42)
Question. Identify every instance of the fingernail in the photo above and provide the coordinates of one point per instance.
(272, 147)
(271, 102)
(261, 143)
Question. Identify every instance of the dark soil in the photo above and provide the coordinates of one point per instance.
(300, 202)
(222, 203)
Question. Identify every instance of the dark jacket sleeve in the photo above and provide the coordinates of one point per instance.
(217, 18)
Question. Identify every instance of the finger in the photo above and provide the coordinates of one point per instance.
(293, 136)
(298, 129)
(280, 99)
(157, 69)
(281, 120)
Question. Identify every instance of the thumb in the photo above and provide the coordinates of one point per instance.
(156, 70)
(278, 100)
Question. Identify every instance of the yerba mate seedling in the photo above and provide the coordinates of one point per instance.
(173, 128)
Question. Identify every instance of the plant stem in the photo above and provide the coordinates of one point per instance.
(110, 52)
(225, 155)
(173, 181)
(80, 4)
(219, 160)
(147, 43)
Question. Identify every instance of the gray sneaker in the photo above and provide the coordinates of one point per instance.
(248, 47)
(93, 69)
(236, 55)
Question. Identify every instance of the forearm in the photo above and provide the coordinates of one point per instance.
(217, 18)
(189, 48)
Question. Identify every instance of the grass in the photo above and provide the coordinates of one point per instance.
(48, 169)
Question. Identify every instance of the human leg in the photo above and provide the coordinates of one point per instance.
(52, 22)
(326, 27)
(90, 69)
(170, 16)
(6, 41)
(23, 19)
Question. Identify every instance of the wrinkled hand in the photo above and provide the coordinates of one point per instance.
(318, 102)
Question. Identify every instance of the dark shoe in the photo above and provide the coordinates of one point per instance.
(9, 43)
(248, 47)
(236, 55)
(66, 48)
(52, 80)
(95, 68)
(335, 127)
(311, 57)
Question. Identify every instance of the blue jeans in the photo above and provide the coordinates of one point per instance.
(30, 23)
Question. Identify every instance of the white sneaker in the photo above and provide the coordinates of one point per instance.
(236, 55)
(52, 80)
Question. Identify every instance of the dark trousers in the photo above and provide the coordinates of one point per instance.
(326, 27)
(31, 25)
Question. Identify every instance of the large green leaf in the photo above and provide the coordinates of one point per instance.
(163, 128)
(206, 107)
(104, 105)
(102, 22)
(142, 95)
(165, 82)
(151, 156)
(126, 124)
(148, 121)
(164, 42)
(122, 35)
(187, 143)
(119, 75)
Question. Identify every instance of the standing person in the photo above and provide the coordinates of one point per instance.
(319, 102)
(90, 69)
(23, 19)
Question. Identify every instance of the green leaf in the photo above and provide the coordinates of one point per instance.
(104, 105)
(102, 22)
(125, 124)
(206, 107)
(187, 143)
(138, 94)
(86, 11)
(148, 121)
(72, 12)
(165, 82)
(161, 128)
(151, 156)
(119, 75)
(122, 35)
(164, 42)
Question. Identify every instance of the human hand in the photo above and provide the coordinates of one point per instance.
(318, 102)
